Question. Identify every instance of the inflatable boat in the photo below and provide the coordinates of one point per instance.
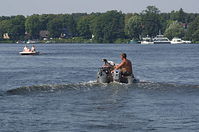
(104, 74)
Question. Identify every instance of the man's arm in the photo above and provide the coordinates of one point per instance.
(120, 65)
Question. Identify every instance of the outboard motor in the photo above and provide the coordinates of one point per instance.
(104, 75)
(116, 76)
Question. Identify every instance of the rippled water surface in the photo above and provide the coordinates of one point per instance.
(57, 90)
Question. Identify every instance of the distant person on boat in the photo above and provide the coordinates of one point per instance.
(33, 49)
(26, 49)
(125, 66)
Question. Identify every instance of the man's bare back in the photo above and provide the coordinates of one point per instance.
(125, 66)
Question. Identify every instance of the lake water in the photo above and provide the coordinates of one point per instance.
(57, 90)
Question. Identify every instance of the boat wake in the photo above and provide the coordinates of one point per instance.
(63, 87)
(52, 87)
(86, 86)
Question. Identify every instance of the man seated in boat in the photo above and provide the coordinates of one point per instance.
(26, 49)
(125, 66)
(33, 49)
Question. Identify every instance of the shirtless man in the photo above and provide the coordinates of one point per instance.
(26, 49)
(125, 66)
(33, 49)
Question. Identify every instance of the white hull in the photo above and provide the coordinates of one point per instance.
(28, 53)
(162, 42)
(146, 42)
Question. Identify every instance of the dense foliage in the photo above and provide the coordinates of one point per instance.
(109, 27)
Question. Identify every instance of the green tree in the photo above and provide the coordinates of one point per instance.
(44, 19)
(151, 21)
(108, 27)
(69, 26)
(4, 27)
(17, 27)
(179, 16)
(62, 25)
(55, 27)
(174, 29)
(191, 17)
(134, 27)
(164, 18)
(77, 16)
(14, 26)
(193, 30)
(83, 27)
(151, 10)
(33, 26)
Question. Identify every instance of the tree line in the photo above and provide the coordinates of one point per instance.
(109, 27)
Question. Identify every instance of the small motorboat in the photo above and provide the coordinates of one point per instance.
(104, 74)
(179, 41)
(28, 53)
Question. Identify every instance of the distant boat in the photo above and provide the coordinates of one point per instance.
(133, 42)
(160, 39)
(147, 40)
(32, 42)
(20, 42)
(179, 41)
(27, 51)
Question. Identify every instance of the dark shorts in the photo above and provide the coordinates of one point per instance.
(127, 74)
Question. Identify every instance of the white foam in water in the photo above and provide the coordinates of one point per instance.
(89, 83)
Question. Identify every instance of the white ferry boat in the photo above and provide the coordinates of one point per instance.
(147, 40)
(160, 39)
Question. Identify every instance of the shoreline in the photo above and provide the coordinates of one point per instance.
(58, 41)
